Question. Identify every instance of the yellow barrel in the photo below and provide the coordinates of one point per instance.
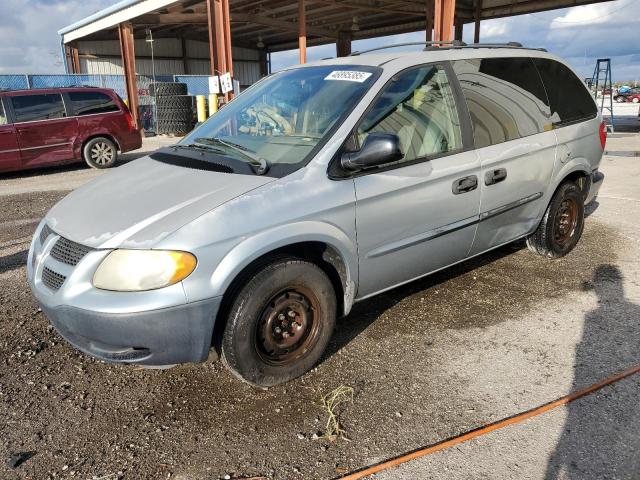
(202, 111)
(213, 103)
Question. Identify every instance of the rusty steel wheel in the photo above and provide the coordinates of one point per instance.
(279, 322)
(288, 326)
(562, 224)
(566, 220)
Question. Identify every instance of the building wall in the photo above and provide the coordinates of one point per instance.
(103, 57)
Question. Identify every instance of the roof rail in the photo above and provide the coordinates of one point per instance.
(490, 45)
(454, 43)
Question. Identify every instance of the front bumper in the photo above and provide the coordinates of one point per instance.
(156, 327)
(158, 337)
(597, 178)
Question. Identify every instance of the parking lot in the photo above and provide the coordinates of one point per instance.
(489, 338)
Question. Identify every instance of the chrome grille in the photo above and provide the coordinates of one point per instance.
(51, 279)
(44, 233)
(69, 252)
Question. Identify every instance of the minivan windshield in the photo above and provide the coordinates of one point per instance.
(283, 119)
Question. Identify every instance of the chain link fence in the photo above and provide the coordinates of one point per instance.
(196, 85)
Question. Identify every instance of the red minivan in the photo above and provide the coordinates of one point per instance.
(55, 126)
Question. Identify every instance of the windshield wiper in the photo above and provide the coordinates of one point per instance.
(261, 164)
(197, 146)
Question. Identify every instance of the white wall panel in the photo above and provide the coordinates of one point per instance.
(101, 66)
(196, 49)
(247, 72)
(199, 67)
(163, 67)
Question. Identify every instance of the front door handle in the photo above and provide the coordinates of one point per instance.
(495, 176)
(464, 185)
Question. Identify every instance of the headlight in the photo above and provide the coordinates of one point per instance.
(137, 270)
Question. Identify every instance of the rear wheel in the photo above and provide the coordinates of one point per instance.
(279, 323)
(562, 224)
(100, 153)
(636, 100)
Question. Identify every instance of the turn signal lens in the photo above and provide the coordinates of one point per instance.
(139, 270)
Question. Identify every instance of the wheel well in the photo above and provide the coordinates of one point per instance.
(321, 254)
(580, 178)
(99, 135)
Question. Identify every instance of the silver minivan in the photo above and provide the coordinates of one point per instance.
(319, 186)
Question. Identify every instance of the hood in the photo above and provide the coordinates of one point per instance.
(138, 204)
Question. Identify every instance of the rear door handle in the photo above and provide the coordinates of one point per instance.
(495, 176)
(464, 184)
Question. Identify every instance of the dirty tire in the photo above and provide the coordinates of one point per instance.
(253, 345)
(167, 88)
(183, 102)
(562, 224)
(100, 152)
(175, 114)
(174, 126)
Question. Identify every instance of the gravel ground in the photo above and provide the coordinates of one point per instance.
(484, 340)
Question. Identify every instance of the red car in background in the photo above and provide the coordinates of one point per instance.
(634, 97)
(64, 125)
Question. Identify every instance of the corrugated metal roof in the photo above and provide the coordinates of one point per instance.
(111, 16)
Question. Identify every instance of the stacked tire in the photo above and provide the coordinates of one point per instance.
(174, 107)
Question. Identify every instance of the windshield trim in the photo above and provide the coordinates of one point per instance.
(280, 170)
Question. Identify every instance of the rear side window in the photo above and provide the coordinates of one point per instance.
(29, 108)
(506, 98)
(570, 100)
(90, 103)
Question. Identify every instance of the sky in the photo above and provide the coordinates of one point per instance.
(29, 42)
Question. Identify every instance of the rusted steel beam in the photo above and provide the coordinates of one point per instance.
(76, 60)
(477, 18)
(125, 33)
(343, 46)
(459, 25)
(302, 31)
(216, 37)
(443, 20)
(227, 36)
(428, 27)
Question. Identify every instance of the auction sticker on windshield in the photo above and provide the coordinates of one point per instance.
(348, 75)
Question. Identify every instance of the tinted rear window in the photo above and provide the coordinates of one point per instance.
(506, 98)
(90, 103)
(570, 100)
(29, 108)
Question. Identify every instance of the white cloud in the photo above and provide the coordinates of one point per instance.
(585, 15)
(29, 42)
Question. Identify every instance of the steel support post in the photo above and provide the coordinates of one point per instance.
(125, 31)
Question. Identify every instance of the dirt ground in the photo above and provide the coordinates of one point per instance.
(483, 340)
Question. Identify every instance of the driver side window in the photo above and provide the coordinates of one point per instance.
(419, 107)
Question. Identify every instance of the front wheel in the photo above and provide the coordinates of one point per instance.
(562, 224)
(636, 100)
(280, 323)
(100, 153)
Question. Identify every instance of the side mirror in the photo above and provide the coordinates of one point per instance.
(378, 148)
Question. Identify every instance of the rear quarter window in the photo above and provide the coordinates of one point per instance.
(30, 108)
(568, 96)
(505, 97)
(91, 103)
(3, 115)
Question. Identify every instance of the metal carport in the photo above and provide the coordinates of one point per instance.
(237, 36)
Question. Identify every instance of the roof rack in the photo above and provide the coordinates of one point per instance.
(409, 44)
(453, 44)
